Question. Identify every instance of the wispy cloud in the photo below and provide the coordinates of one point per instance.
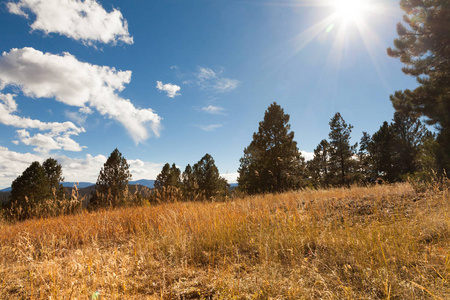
(214, 110)
(171, 89)
(211, 127)
(86, 21)
(77, 83)
(208, 79)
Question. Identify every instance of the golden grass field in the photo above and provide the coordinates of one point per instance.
(381, 242)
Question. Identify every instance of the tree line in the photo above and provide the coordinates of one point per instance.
(38, 191)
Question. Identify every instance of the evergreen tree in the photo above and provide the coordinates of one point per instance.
(207, 177)
(409, 134)
(28, 190)
(189, 183)
(112, 182)
(169, 176)
(365, 158)
(53, 170)
(423, 46)
(318, 166)
(394, 149)
(342, 164)
(36, 184)
(272, 161)
(382, 152)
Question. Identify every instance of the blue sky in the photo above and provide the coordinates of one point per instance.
(168, 81)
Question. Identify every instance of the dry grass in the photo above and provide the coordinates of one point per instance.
(383, 242)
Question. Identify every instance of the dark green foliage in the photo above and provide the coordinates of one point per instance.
(318, 167)
(189, 183)
(53, 170)
(366, 167)
(169, 176)
(382, 152)
(423, 46)
(112, 182)
(399, 148)
(342, 165)
(207, 178)
(272, 161)
(38, 183)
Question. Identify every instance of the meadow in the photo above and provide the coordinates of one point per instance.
(379, 242)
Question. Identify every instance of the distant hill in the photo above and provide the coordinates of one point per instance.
(8, 189)
(144, 182)
(80, 185)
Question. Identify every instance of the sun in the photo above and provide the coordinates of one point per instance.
(351, 10)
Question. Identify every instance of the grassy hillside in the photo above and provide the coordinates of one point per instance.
(383, 242)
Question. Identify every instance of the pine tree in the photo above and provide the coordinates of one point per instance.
(208, 179)
(423, 46)
(318, 166)
(394, 149)
(382, 152)
(189, 183)
(169, 176)
(409, 134)
(365, 158)
(272, 161)
(53, 170)
(112, 182)
(341, 152)
(28, 190)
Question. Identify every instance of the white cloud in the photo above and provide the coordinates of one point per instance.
(86, 110)
(85, 169)
(57, 137)
(76, 83)
(12, 164)
(207, 79)
(170, 89)
(214, 110)
(307, 155)
(230, 177)
(44, 143)
(211, 127)
(144, 170)
(86, 21)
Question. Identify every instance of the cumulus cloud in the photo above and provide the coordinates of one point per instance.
(12, 164)
(211, 127)
(86, 21)
(208, 79)
(171, 89)
(230, 177)
(76, 83)
(85, 168)
(56, 137)
(214, 110)
(307, 155)
(46, 142)
(143, 169)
